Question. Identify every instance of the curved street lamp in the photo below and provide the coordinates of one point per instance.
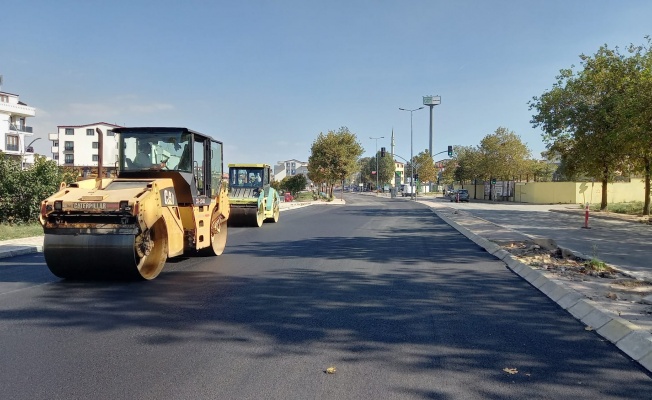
(411, 145)
(22, 157)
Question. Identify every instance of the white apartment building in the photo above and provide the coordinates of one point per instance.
(77, 146)
(15, 135)
(289, 168)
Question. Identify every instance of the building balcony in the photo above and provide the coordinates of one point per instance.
(16, 128)
(53, 136)
(12, 147)
(69, 148)
(55, 149)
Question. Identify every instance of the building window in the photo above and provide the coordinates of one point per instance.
(293, 165)
(12, 143)
(55, 143)
(110, 133)
(287, 165)
(96, 145)
(69, 146)
(4, 98)
(70, 131)
(96, 157)
(90, 132)
(55, 156)
(70, 159)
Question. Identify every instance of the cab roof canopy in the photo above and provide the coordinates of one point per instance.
(163, 129)
(238, 165)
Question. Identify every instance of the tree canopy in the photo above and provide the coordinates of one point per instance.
(597, 118)
(334, 157)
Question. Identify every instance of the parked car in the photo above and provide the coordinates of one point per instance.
(288, 197)
(460, 195)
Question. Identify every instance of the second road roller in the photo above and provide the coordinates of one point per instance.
(252, 198)
(168, 199)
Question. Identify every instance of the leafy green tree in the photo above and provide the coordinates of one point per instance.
(22, 190)
(294, 184)
(385, 171)
(468, 164)
(425, 167)
(365, 170)
(333, 157)
(448, 173)
(540, 170)
(502, 155)
(637, 113)
(583, 116)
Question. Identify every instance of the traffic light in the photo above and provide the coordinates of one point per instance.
(493, 181)
(450, 151)
(382, 152)
(416, 177)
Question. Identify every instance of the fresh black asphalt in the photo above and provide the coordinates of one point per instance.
(401, 304)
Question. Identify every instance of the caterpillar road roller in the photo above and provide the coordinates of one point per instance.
(251, 196)
(168, 199)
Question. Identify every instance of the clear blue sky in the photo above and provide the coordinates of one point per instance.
(266, 77)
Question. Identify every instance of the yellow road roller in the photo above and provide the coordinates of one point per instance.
(251, 196)
(168, 199)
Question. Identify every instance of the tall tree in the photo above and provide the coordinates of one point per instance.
(502, 155)
(468, 164)
(425, 166)
(581, 116)
(637, 113)
(333, 157)
(385, 169)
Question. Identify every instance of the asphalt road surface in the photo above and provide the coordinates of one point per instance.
(398, 302)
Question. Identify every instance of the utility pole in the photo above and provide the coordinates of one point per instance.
(376, 139)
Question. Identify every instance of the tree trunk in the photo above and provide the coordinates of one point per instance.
(605, 182)
(646, 205)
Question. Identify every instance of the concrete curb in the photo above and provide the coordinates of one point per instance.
(19, 251)
(627, 336)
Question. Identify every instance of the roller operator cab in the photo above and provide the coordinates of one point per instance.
(251, 196)
(168, 199)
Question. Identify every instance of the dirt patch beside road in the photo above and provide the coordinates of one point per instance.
(615, 290)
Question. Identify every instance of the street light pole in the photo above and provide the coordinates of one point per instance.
(411, 147)
(376, 139)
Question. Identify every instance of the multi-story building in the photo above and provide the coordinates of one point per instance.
(77, 146)
(14, 132)
(289, 168)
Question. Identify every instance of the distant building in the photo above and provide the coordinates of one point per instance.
(15, 135)
(288, 168)
(77, 146)
(399, 173)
